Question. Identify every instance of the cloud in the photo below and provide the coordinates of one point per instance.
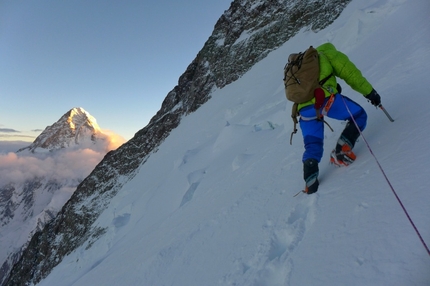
(9, 133)
(15, 136)
(12, 146)
(113, 140)
(70, 165)
(9, 130)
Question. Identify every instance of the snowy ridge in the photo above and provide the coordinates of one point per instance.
(214, 204)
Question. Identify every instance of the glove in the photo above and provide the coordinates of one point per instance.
(374, 98)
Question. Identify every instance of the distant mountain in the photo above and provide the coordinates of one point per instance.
(32, 199)
(75, 127)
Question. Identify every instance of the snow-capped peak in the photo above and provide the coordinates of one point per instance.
(74, 127)
(78, 117)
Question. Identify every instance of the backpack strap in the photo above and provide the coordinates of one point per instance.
(294, 115)
(323, 81)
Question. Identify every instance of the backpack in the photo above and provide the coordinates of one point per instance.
(301, 74)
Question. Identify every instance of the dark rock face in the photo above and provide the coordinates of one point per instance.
(243, 35)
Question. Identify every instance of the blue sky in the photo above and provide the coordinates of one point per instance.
(116, 59)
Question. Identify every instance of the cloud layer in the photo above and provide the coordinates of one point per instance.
(69, 164)
(8, 130)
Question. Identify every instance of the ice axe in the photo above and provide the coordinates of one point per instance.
(386, 113)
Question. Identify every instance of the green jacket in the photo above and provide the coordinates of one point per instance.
(333, 62)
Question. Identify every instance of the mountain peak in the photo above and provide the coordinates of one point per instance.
(74, 127)
(77, 116)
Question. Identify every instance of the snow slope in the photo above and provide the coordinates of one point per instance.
(214, 205)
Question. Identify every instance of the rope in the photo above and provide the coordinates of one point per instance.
(388, 181)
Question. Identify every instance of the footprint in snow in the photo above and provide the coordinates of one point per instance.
(194, 179)
(300, 218)
(121, 220)
(284, 241)
(240, 160)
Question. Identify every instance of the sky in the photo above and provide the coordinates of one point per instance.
(214, 205)
(116, 59)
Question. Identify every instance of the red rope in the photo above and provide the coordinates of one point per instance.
(386, 178)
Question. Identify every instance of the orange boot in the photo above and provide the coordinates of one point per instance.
(344, 157)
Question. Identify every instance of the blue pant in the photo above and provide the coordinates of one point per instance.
(313, 130)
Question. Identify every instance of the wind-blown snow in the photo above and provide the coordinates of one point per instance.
(214, 205)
